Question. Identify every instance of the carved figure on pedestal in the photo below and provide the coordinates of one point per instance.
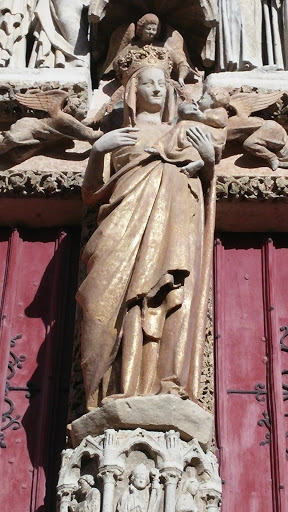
(61, 34)
(186, 501)
(145, 276)
(139, 497)
(15, 19)
(88, 497)
(264, 139)
(29, 136)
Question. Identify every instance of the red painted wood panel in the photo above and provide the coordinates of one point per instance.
(277, 318)
(252, 320)
(241, 365)
(38, 305)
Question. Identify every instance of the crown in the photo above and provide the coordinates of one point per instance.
(148, 56)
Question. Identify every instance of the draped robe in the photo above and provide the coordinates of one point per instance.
(143, 288)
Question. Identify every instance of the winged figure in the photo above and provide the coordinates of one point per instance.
(29, 135)
(262, 138)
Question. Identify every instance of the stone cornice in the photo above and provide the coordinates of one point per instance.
(67, 185)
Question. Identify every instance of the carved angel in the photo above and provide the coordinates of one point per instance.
(29, 135)
(146, 32)
(265, 139)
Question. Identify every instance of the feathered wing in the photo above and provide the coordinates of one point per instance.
(119, 40)
(45, 101)
(246, 103)
(175, 42)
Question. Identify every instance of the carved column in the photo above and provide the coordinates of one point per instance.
(171, 478)
(110, 476)
(212, 501)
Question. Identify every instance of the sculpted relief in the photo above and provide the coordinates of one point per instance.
(138, 471)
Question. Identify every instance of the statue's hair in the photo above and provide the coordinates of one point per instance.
(87, 478)
(147, 18)
(220, 96)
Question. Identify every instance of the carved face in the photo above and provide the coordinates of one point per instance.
(140, 480)
(84, 487)
(149, 32)
(151, 90)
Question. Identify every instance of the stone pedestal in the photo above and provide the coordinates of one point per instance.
(157, 413)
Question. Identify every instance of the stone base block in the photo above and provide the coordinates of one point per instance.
(157, 413)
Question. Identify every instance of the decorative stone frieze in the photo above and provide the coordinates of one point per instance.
(252, 188)
(36, 184)
(152, 471)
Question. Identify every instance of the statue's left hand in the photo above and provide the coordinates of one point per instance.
(202, 142)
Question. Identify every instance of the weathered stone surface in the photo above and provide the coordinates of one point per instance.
(264, 78)
(160, 413)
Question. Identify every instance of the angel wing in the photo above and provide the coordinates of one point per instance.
(175, 42)
(120, 38)
(47, 101)
(246, 103)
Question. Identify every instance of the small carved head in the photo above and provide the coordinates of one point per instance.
(140, 477)
(148, 27)
(214, 97)
(85, 483)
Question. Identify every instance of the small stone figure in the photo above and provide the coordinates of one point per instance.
(88, 497)
(145, 33)
(186, 500)
(29, 136)
(139, 497)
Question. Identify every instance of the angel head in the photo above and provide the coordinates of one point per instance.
(148, 28)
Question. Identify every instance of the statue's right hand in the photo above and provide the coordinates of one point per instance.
(116, 139)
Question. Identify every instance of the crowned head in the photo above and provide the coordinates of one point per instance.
(136, 59)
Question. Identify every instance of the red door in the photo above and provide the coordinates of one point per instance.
(38, 274)
(251, 315)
